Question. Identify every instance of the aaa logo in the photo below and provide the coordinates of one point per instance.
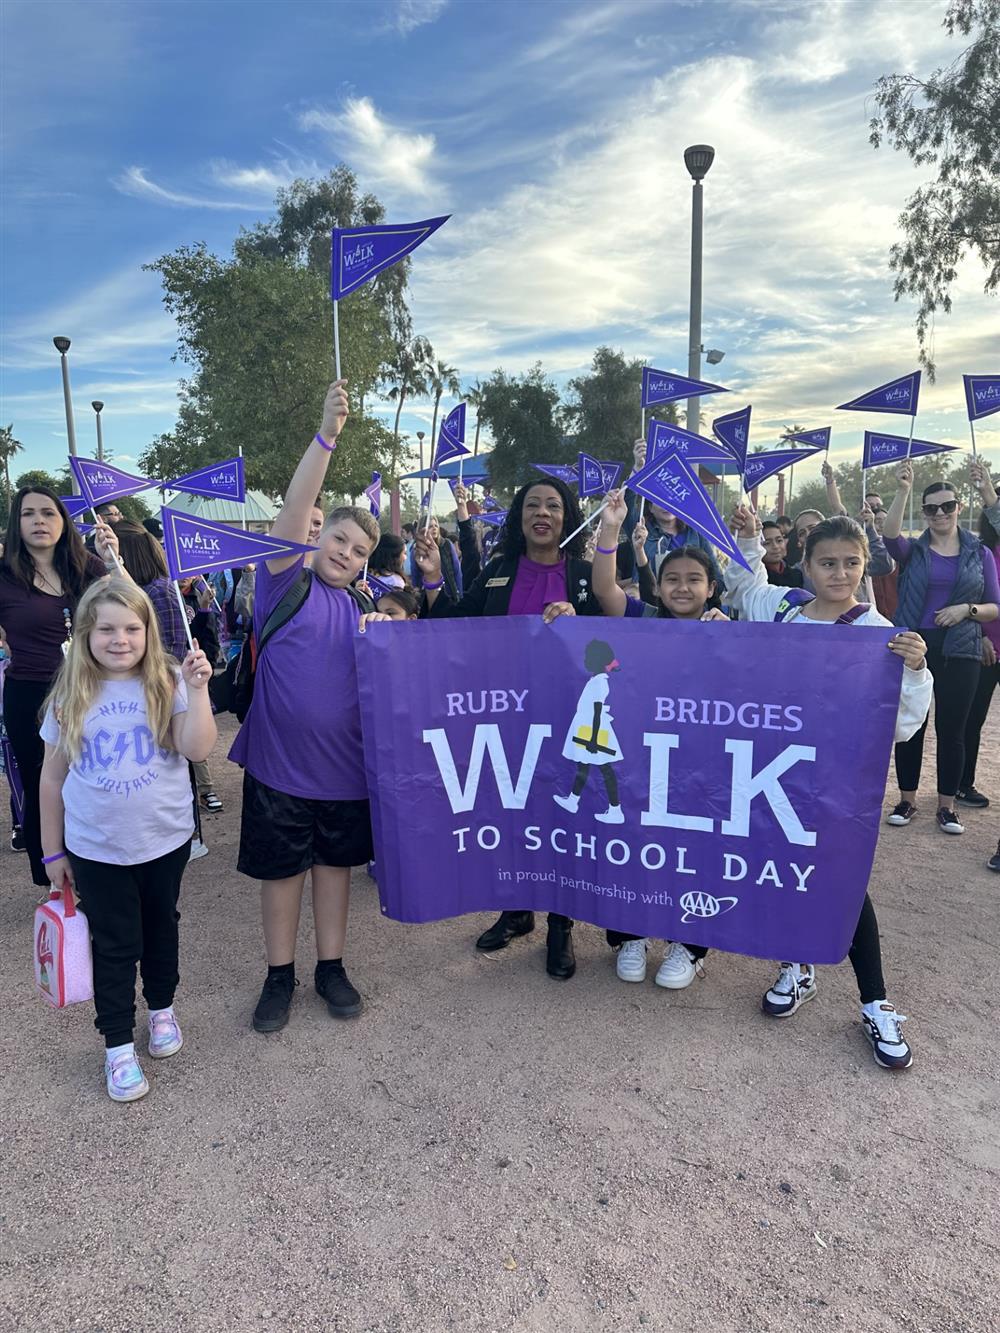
(701, 905)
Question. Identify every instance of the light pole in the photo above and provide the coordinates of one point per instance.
(420, 441)
(98, 407)
(697, 159)
(62, 347)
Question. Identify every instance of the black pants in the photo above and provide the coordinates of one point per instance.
(989, 679)
(607, 773)
(866, 955)
(955, 681)
(22, 703)
(133, 918)
(616, 938)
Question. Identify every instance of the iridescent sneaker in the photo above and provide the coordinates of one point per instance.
(126, 1081)
(164, 1034)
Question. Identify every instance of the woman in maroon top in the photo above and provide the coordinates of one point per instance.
(43, 573)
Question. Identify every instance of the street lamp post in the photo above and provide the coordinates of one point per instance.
(62, 347)
(697, 159)
(98, 407)
(420, 441)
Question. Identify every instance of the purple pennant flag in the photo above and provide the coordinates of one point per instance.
(454, 423)
(759, 467)
(193, 545)
(451, 438)
(221, 481)
(733, 431)
(359, 253)
(897, 396)
(75, 504)
(491, 505)
(982, 395)
(662, 438)
(589, 476)
(660, 386)
(497, 519)
(425, 499)
(668, 481)
(374, 493)
(84, 529)
(820, 437)
(100, 482)
(611, 471)
(14, 779)
(379, 587)
(561, 471)
(880, 449)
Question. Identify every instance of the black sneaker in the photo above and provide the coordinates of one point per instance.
(949, 822)
(994, 862)
(17, 843)
(902, 813)
(342, 1000)
(271, 1013)
(969, 796)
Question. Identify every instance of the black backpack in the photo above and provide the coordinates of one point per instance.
(242, 670)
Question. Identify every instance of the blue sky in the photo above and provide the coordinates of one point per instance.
(554, 133)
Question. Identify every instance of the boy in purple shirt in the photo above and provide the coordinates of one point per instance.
(305, 800)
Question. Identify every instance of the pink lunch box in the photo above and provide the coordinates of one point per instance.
(64, 970)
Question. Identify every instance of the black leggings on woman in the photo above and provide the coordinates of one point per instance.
(22, 702)
(989, 679)
(955, 682)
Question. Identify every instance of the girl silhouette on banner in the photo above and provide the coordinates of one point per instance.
(591, 739)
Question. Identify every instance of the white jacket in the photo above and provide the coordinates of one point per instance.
(756, 599)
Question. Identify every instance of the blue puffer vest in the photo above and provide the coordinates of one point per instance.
(966, 638)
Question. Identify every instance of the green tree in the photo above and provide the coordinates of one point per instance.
(522, 415)
(603, 414)
(256, 331)
(474, 397)
(442, 379)
(407, 377)
(950, 120)
(38, 477)
(8, 448)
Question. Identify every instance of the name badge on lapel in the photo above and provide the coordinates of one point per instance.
(498, 583)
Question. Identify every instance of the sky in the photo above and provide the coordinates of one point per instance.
(554, 135)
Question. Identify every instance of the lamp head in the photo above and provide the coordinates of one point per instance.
(713, 356)
(698, 158)
(420, 435)
(62, 345)
(97, 405)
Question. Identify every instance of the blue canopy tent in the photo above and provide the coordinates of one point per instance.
(472, 469)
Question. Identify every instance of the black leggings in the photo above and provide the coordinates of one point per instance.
(22, 703)
(955, 681)
(989, 679)
(132, 911)
(607, 773)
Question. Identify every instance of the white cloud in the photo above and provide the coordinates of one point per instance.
(262, 179)
(411, 14)
(385, 157)
(134, 181)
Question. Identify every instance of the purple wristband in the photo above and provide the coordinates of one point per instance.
(433, 587)
(46, 860)
(328, 447)
(607, 550)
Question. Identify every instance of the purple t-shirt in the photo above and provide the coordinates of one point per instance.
(943, 572)
(302, 735)
(535, 586)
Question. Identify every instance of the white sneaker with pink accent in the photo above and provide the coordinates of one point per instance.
(164, 1034)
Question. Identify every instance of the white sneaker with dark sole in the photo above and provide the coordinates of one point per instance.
(631, 964)
(881, 1026)
(796, 983)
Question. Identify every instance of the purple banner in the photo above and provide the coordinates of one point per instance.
(194, 545)
(982, 395)
(726, 831)
(669, 482)
(733, 431)
(663, 438)
(100, 482)
(359, 253)
(759, 467)
(561, 471)
(819, 437)
(880, 449)
(660, 386)
(221, 481)
(897, 396)
(589, 476)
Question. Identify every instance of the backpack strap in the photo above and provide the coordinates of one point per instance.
(793, 599)
(364, 603)
(855, 613)
(291, 603)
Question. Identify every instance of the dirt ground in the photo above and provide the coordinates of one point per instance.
(487, 1149)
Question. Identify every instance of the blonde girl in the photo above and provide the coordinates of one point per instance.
(120, 724)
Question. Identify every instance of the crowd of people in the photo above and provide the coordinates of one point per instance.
(110, 680)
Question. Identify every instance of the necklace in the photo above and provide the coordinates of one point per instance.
(46, 583)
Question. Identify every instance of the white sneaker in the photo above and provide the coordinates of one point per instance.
(570, 802)
(125, 1079)
(881, 1026)
(198, 850)
(631, 965)
(796, 983)
(678, 969)
(613, 815)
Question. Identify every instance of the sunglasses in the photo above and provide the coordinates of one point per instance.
(878, 509)
(947, 507)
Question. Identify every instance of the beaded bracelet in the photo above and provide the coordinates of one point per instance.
(608, 550)
(433, 587)
(328, 447)
(56, 856)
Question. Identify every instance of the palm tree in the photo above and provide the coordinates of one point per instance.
(443, 379)
(8, 448)
(474, 397)
(409, 371)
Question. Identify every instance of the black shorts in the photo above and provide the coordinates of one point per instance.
(283, 835)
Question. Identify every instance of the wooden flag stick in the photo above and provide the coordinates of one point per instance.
(336, 338)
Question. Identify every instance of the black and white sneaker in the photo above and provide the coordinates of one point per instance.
(902, 813)
(948, 822)
(881, 1026)
(17, 843)
(796, 983)
(969, 796)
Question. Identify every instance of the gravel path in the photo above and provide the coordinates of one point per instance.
(486, 1149)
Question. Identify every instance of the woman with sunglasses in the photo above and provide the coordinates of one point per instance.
(948, 590)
